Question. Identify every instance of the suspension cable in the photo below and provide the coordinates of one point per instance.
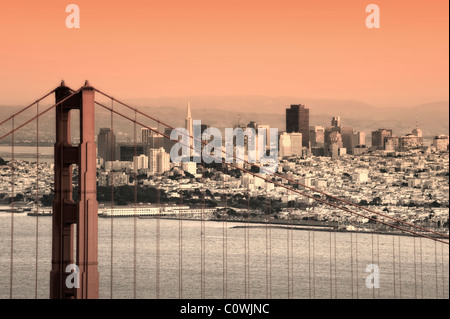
(37, 203)
(12, 212)
(112, 158)
(287, 187)
(40, 114)
(27, 107)
(285, 177)
(135, 215)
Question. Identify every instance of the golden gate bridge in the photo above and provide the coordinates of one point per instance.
(75, 224)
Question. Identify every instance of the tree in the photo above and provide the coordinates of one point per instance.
(3, 162)
(376, 201)
(435, 204)
(363, 202)
(47, 200)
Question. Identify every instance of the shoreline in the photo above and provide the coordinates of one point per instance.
(276, 223)
(263, 224)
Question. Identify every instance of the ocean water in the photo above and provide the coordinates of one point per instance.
(28, 153)
(302, 265)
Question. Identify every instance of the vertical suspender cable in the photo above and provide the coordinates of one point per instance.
(292, 255)
(202, 238)
(270, 250)
(331, 268)
(158, 234)
(134, 215)
(314, 265)
(421, 268)
(246, 245)
(287, 257)
(351, 260)
(378, 258)
(309, 265)
(11, 272)
(180, 249)
(436, 268)
(37, 202)
(158, 244)
(415, 273)
(224, 247)
(356, 265)
(335, 266)
(400, 266)
(112, 158)
(393, 265)
(443, 271)
(372, 241)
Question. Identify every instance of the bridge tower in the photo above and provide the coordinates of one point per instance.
(69, 217)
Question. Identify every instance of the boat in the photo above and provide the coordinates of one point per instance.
(41, 212)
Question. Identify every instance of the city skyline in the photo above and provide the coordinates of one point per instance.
(322, 169)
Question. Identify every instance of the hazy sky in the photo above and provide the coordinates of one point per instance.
(147, 48)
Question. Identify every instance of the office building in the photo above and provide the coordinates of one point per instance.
(297, 121)
(106, 143)
(378, 137)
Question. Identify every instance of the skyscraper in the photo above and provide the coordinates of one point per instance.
(317, 135)
(297, 121)
(106, 143)
(335, 121)
(151, 138)
(189, 127)
(158, 161)
(378, 138)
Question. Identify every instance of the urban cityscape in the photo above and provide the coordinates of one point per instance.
(398, 175)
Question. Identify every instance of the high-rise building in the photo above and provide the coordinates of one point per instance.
(345, 131)
(267, 135)
(151, 138)
(127, 151)
(335, 121)
(158, 161)
(358, 139)
(317, 135)
(296, 144)
(392, 143)
(441, 143)
(347, 137)
(378, 137)
(410, 141)
(335, 144)
(106, 142)
(140, 162)
(189, 125)
(147, 134)
(285, 145)
(290, 144)
(168, 143)
(297, 121)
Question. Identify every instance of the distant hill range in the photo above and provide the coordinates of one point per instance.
(218, 111)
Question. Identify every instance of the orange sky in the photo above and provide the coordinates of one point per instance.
(148, 48)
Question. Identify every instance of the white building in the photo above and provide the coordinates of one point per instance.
(158, 161)
(190, 167)
(290, 144)
(140, 162)
(360, 177)
(441, 143)
(118, 166)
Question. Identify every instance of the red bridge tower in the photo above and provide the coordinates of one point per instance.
(69, 216)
